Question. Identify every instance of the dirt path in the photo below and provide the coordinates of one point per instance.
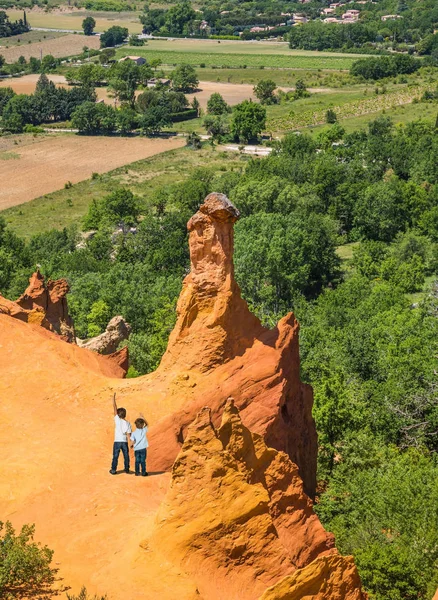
(41, 167)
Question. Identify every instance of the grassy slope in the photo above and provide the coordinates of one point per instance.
(67, 206)
(29, 38)
(56, 20)
(282, 77)
(238, 47)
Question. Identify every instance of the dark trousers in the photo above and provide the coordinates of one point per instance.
(140, 461)
(123, 446)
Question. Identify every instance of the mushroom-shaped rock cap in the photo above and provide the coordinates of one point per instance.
(218, 207)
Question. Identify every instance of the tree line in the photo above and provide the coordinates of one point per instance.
(8, 27)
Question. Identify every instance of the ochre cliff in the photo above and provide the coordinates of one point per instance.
(236, 519)
(219, 349)
(43, 303)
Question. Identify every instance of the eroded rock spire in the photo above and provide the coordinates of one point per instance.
(43, 303)
(212, 316)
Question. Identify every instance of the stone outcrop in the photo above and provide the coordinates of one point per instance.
(116, 331)
(326, 578)
(212, 315)
(43, 303)
(236, 518)
(218, 348)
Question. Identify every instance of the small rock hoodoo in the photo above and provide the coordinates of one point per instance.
(211, 311)
(43, 303)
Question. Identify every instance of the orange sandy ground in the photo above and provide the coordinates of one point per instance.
(56, 433)
(45, 165)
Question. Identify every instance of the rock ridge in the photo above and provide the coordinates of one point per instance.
(236, 518)
(43, 303)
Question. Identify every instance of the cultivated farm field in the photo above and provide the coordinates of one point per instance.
(29, 170)
(67, 45)
(28, 38)
(72, 19)
(27, 83)
(67, 206)
(237, 47)
(291, 60)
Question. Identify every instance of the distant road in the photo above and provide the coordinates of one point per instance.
(59, 30)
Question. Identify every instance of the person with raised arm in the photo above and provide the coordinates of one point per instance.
(140, 445)
(122, 429)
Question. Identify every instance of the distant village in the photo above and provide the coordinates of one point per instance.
(333, 14)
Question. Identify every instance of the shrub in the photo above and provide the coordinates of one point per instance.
(25, 566)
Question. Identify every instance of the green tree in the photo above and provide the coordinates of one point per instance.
(6, 93)
(196, 106)
(98, 318)
(194, 141)
(114, 36)
(123, 81)
(184, 79)
(25, 566)
(88, 25)
(264, 91)
(248, 121)
(126, 120)
(92, 118)
(379, 210)
(330, 116)
(216, 105)
(179, 18)
(300, 90)
(49, 63)
(88, 75)
(216, 126)
(380, 505)
(134, 40)
(13, 123)
(154, 119)
(293, 256)
(106, 55)
(121, 206)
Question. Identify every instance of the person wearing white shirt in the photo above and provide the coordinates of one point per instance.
(122, 429)
(140, 445)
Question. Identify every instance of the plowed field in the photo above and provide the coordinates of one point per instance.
(67, 45)
(32, 170)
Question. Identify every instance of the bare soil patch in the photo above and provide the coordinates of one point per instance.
(67, 45)
(45, 165)
(232, 93)
(27, 83)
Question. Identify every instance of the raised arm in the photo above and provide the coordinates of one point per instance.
(144, 418)
(114, 404)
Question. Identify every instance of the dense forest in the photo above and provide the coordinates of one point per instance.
(368, 330)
